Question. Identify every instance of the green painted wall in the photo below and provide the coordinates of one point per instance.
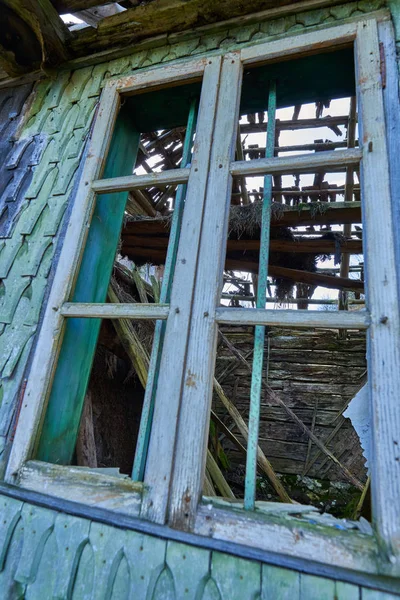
(45, 554)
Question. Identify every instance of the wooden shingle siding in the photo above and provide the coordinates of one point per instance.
(47, 554)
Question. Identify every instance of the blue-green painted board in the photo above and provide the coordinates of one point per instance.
(61, 423)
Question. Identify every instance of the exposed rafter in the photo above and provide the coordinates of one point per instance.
(32, 35)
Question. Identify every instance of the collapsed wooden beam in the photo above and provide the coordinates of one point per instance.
(32, 36)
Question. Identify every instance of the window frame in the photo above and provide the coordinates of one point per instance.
(174, 483)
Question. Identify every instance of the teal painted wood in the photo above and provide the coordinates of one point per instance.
(10, 512)
(279, 584)
(122, 583)
(84, 581)
(9, 587)
(38, 523)
(185, 561)
(151, 387)
(346, 591)
(259, 331)
(236, 578)
(316, 588)
(376, 595)
(61, 423)
(164, 588)
(146, 559)
(72, 535)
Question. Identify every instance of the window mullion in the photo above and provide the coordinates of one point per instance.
(187, 480)
(168, 392)
(382, 292)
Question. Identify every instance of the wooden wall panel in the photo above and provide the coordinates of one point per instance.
(45, 554)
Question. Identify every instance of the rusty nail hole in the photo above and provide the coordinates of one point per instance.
(186, 515)
(67, 548)
(177, 310)
(151, 502)
(184, 557)
(141, 548)
(86, 183)
(142, 577)
(241, 577)
(220, 166)
(206, 314)
(383, 320)
(183, 261)
(370, 146)
(233, 62)
(186, 590)
(165, 477)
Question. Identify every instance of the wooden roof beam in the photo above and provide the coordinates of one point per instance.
(32, 36)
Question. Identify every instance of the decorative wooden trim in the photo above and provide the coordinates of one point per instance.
(162, 439)
(139, 182)
(359, 319)
(302, 163)
(162, 75)
(382, 293)
(80, 484)
(189, 463)
(137, 311)
(50, 335)
(315, 41)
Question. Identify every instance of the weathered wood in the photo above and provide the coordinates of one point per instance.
(37, 24)
(293, 318)
(48, 342)
(279, 584)
(235, 577)
(188, 473)
(137, 182)
(161, 448)
(302, 163)
(83, 485)
(356, 551)
(135, 311)
(71, 6)
(382, 293)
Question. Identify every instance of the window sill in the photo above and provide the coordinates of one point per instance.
(79, 484)
(294, 536)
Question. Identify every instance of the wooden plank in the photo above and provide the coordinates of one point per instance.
(49, 337)
(279, 584)
(316, 588)
(34, 24)
(236, 578)
(161, 448)
(165, 295)
(300, 163)
(382, 292)
(346, 591)
(10, 514)
(137, 311)
(71, 533)
(368, 594)
(193, 424)
(38, 524)
(293, 538)
(82, 485)
(293, 318)
(146, 559)
(162, 75)
(61, 422)
(299, 45)
(139, 182)
(189, 566)
(312, 278)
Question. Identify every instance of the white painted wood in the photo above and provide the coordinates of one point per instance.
(162, 439)
(297, 45)
(83, 485)
(50, 335)
(302, 163)
(293, 318)
(193, 424)
(163, 75)
(140, 182)
(382, 293)
(115, 311)
(291, 537)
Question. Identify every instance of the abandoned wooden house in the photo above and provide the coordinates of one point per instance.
(199, 299)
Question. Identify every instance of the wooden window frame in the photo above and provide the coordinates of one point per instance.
(175, 468)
